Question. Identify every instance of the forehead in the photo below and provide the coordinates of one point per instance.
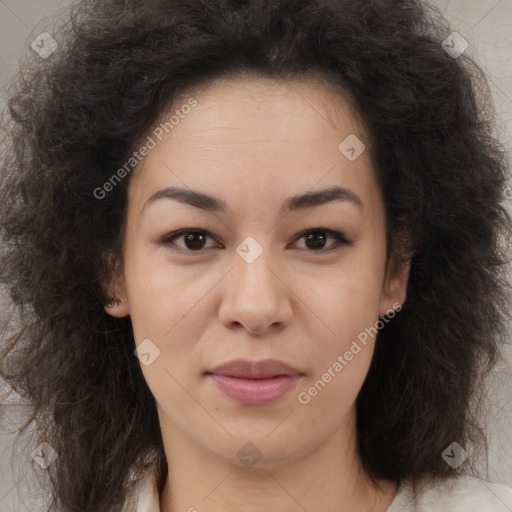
(307, 98)
(258, 134)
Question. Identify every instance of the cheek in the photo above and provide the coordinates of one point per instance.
(341, 348)
(346, 304)
(164, 297)
(170, 308)
(346, 299)
(324, 402)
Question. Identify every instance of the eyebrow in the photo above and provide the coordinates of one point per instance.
(210, 203)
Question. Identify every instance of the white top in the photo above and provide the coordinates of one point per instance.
(458, 494)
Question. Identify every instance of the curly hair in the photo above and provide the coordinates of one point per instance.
(77, 115)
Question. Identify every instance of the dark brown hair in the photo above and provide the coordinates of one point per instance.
(76, 117)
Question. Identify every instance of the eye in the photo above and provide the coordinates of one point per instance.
(315, 239)
(193, 240)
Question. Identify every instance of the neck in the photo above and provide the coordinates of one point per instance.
(329, 477)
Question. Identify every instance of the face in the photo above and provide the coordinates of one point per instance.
(285, 260)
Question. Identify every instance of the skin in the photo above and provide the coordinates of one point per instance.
(254, 142)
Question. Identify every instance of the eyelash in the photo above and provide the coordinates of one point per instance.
(339, 237)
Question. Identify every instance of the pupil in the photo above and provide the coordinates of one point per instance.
(194, 240)
(315, 237)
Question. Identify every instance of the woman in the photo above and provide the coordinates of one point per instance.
(258, 249)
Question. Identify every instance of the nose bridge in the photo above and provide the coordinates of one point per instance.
(252, 275)
(255, 297)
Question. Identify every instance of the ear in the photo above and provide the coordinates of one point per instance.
(115, 290)
(394, 290)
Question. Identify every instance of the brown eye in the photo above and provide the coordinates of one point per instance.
(315, 240)
(193, 241)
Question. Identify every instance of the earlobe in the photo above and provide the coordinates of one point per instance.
(116, 308)
(395, 289)
(117, 305)
(114, 301)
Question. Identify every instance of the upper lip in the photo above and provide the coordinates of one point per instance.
(266, 368)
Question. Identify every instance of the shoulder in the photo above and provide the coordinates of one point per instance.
(462, 493)
(142, 496)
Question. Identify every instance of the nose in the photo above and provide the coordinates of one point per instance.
(257, 296)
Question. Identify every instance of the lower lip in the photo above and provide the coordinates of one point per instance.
(255, 391)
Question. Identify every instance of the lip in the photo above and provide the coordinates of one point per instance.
(245, 368)
(255, 382)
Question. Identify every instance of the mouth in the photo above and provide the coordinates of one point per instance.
(255, 383)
